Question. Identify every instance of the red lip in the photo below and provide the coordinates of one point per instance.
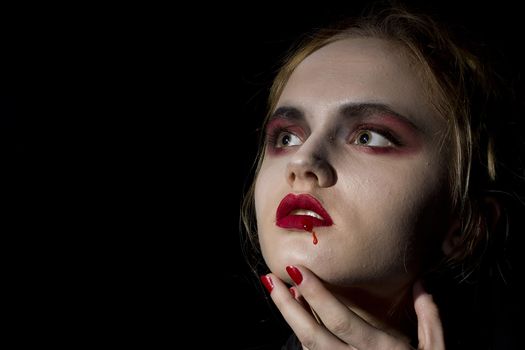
(292, 202)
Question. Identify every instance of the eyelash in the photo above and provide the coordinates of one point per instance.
(273, 135)
(385, 133)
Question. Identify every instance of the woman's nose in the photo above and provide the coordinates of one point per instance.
(309, 167)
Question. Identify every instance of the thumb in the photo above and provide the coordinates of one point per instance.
(429, 328)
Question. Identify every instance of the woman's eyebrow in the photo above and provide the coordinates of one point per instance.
(287, 112)
(367, 109)
(352, 109)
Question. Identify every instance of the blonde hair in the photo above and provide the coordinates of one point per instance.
(459, 87)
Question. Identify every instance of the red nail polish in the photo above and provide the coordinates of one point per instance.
(267, 281)
(292, 292)
(295, 274)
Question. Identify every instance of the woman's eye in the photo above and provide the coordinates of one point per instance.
(371, 139)
(286, 139)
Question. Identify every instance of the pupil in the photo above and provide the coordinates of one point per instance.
(364, 138)
(286, 139)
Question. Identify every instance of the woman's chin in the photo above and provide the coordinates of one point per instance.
(278, 266)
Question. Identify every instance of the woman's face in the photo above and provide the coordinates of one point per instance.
(354, 129)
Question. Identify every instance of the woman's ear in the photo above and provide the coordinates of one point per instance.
(490, 212)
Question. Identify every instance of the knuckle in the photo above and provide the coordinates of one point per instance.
(308, 340)
(367, 341)
(340, 326)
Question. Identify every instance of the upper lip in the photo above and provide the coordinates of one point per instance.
(305, 202)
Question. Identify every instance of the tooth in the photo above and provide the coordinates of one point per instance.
(306, 212)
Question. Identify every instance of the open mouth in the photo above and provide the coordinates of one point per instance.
(302, 212)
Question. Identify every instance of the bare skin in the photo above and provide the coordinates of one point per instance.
(354, 129)
(335, 326)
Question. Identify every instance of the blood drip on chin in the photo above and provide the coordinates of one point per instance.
(308, 226)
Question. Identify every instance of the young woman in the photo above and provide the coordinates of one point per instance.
(378, 170)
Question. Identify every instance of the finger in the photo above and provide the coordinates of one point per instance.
(296, 294)
(336, 316)
(430, 330)
(310, 333)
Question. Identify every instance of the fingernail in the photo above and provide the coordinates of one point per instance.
(292, 292)
(295, 274)
(267, 281)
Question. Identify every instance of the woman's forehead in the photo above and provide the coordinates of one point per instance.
(359, 70)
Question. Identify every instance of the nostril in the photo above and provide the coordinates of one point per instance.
(311, 169)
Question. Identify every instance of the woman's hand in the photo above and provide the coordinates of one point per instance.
(339, 327)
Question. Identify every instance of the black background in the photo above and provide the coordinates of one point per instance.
(136, 131)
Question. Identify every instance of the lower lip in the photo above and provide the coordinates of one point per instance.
(300, 222)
